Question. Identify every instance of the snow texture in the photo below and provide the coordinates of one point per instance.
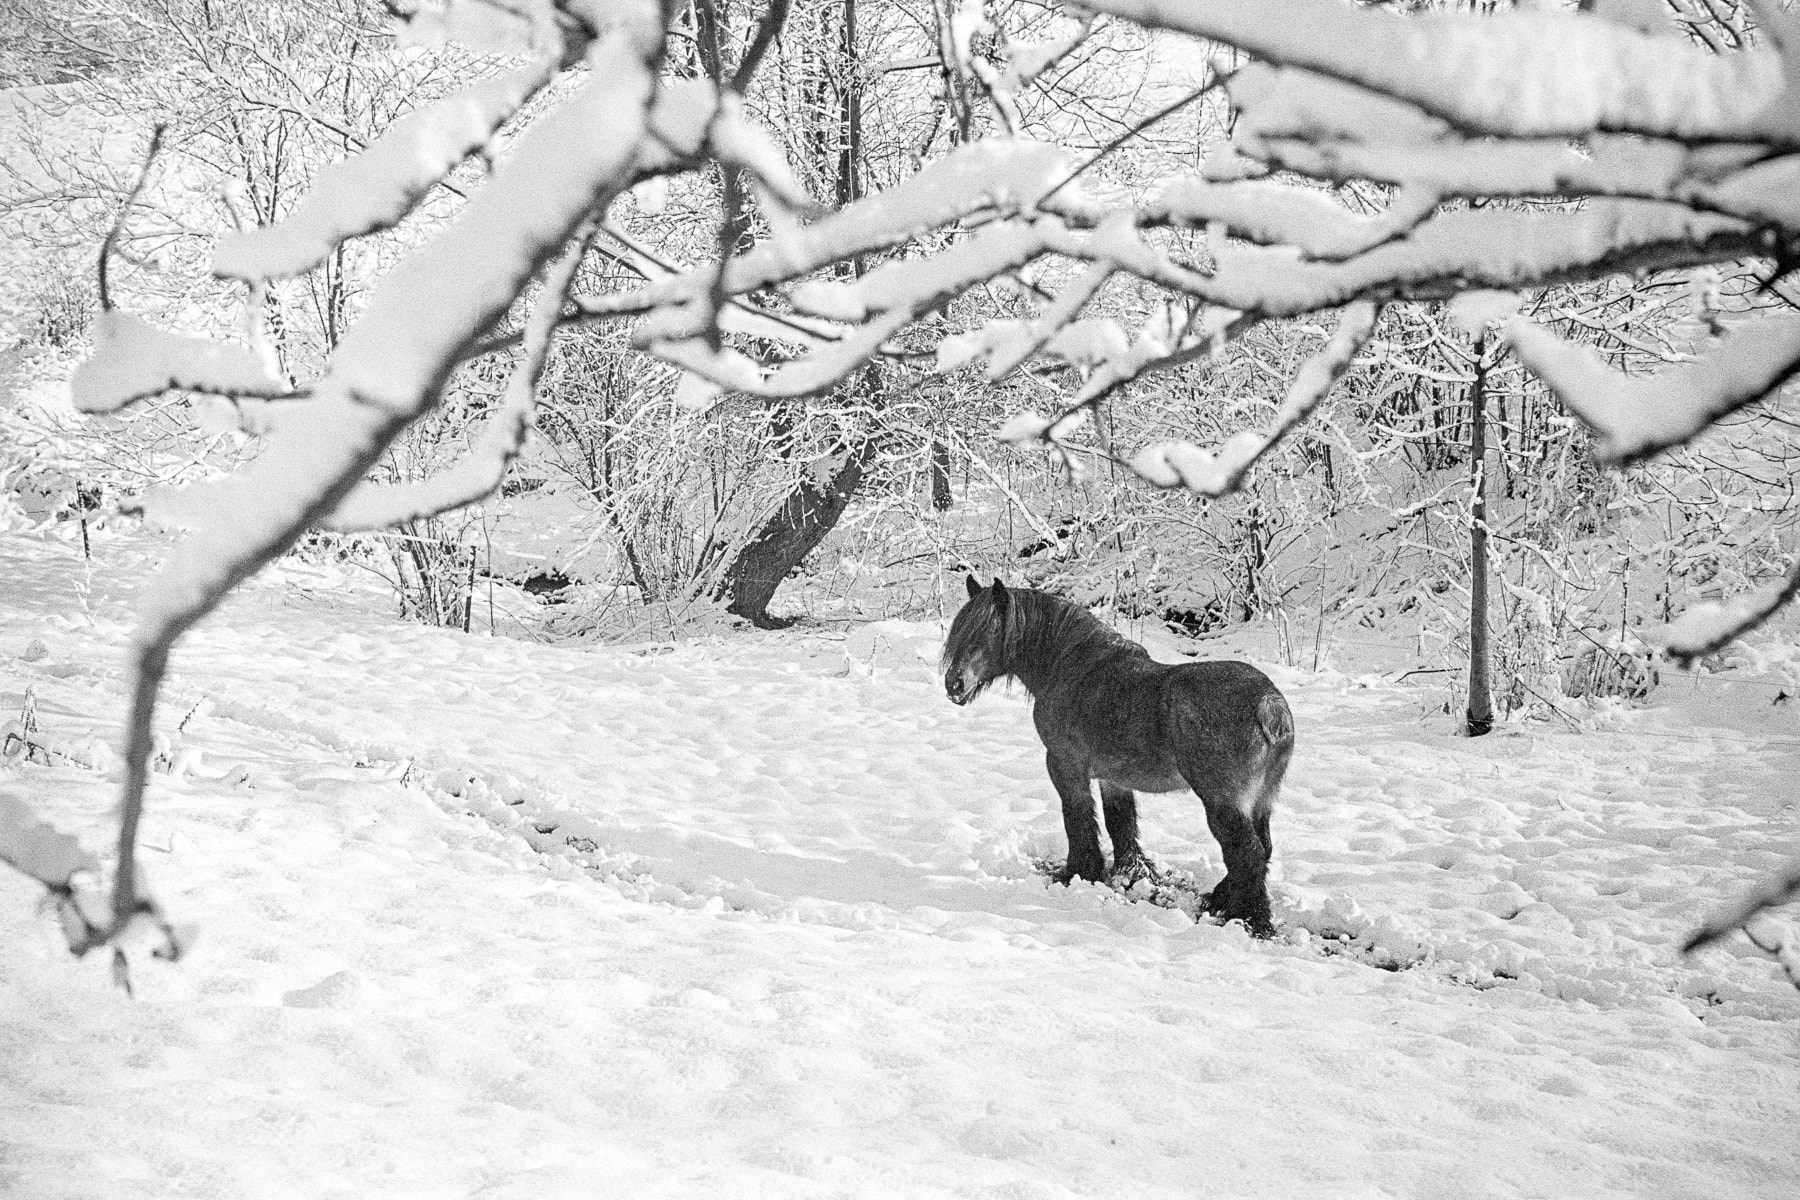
(373, 190)
(1633, 417)
(134, 360)
(758, 917)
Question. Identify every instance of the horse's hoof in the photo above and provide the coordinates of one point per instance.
(1126, 874)
(1071, 872)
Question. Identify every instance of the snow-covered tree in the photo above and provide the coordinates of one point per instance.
(1513, 150)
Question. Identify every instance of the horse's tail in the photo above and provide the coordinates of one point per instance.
(1276, 720)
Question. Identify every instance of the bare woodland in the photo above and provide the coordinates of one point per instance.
(1472, 316)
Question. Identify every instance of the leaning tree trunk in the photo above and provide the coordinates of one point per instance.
(810, 512)
(1480, 716)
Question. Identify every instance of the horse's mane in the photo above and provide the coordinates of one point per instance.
(1044, 635)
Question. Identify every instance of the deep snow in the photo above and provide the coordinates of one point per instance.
(757, 915)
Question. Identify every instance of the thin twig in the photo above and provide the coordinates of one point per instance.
(112, 235)
(772, 22)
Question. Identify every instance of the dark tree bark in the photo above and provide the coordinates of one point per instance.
(941, 497)
(810, 512)
(1480, 716)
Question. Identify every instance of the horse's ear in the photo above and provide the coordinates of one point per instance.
(974, 588)
(1001, 599)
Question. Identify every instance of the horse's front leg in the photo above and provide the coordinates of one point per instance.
(1119, 806)
(1075, 786)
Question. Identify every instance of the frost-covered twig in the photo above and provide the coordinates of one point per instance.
(118, 225)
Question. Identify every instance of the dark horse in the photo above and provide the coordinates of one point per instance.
(1107, 711)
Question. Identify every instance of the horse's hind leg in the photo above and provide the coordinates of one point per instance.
(1119, 806)
(1243, 894)
(1076, 788)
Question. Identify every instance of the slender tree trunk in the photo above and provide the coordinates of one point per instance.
(941, 498)
(1480, 716)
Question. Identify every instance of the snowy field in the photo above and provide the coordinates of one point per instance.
(757, 916)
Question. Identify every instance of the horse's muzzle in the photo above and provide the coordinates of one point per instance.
(953, 688)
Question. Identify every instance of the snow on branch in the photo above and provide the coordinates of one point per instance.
(1454, 251)
(998, 175)
(373, 190)
(1009, 342)
(1633, 417)
(1518, 73)
(486, 26)
(1707, 627)
(134, 360)
(388, 370)
(1220, 471)
(1281, 214)
(499, 441)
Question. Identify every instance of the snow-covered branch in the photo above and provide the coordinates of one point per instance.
(1635, 416)
(1220, 471)
(1510, 74)
(373, 190)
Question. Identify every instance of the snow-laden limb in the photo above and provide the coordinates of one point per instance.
(1454, 251)
(499, 441)
(386, 372)
(1001, 175)
(1220, 471)
(882, 303)
(1009, 343)
(1727, 178)
(1165, 340)
(134, 360)
(1281, 214)
(993, 175)
(1518, 74)
(1636, 416)
(486, 26)
(726, 369)
(375, 189)
(1707, 627)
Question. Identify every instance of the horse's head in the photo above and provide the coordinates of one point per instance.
(975, 649)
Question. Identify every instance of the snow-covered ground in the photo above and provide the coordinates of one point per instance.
(757, 916)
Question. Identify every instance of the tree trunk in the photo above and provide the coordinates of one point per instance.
(1480, 716)
(798, 526)
(811, 510)
(941, 498)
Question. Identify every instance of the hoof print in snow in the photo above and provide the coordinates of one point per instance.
(341, 990)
